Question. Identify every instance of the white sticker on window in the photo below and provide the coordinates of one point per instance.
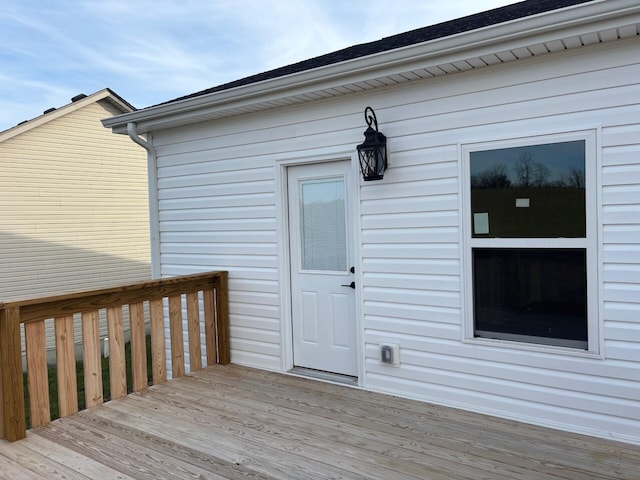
(522, 202)
(481, 223)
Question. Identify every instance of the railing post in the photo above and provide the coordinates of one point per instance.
(15, 426)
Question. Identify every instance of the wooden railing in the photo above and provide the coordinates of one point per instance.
(143, 299)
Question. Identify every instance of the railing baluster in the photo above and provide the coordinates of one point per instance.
(117, 367)
(177, 336)
(222, 319)
(92, 359)
(158, 349)
(193, 322)
(210, 326)
(138, 347)
(38, 380)
(12, 383)
(66, 366)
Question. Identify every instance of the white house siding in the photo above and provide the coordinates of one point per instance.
(217, 212)
(73, 209)
(217, 207)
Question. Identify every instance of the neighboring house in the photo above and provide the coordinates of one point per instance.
(73, 203)
(496, 265)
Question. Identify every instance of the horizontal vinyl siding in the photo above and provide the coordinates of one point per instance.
(217, 214)
(621, 240)
(73, 209)
(411, 252)
(412, 286)
(218, 210)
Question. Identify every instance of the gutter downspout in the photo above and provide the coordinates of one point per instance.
(152, 179)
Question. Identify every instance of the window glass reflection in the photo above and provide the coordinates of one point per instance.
(533, 191)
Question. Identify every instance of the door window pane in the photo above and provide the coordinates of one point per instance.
(531, 295)
(323, 225)
(535, 191)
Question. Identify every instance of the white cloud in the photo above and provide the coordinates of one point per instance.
(150, 51)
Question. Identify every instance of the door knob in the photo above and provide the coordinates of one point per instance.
(352, 285)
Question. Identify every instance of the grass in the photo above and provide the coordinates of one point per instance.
(106, 386)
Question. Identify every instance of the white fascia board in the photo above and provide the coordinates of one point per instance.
(578, 19)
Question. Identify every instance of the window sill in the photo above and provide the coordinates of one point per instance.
(532, 347)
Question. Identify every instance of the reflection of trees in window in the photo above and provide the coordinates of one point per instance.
(549, 179)
(526, 173)
(575, 178)
(494, 177)
(525, 287)
(530, 173)
(524, 170)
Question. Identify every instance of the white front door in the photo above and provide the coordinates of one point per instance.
(321, 263)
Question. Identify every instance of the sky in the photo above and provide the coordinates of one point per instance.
(152, 51)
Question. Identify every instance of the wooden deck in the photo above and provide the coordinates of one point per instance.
(231, 422)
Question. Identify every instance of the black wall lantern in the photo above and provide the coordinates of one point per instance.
(373, 151)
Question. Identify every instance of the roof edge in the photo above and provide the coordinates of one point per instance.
(105, 93)
(153, 118)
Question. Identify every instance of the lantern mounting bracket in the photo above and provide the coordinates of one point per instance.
(371, 118)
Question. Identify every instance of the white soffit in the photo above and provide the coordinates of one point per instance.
(556, 31)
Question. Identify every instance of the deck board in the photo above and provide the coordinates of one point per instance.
(232, 422)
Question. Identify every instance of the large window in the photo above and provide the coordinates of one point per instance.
(530, 242)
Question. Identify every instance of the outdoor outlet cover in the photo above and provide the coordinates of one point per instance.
(390, 354)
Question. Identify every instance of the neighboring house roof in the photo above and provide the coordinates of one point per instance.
(77, 102)
(522, 30)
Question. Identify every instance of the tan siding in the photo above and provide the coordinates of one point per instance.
(73, 207)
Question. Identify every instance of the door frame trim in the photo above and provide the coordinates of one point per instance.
(282, 165)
